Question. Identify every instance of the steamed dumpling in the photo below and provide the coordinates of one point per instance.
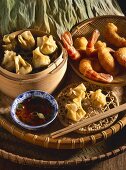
(11, 62)
(9, 42)
(10, 46)
(47, 44)
(8, 61)
(26, 40)
(78, 92)
(74, 112)
(39, 59)
(8, 38)
(77, 100)
(98, 99)
(22, 67)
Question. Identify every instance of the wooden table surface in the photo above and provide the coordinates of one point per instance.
(116, 163)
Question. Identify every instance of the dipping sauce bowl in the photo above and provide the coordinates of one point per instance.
(34, 109)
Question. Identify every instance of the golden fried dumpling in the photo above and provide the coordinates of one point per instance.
(26, 40)
(113, 36)
(80, 43)
(78, 92)
(39, 59)
(8, 61)
(98, 99)
(74, 112)
(47, 44)
(9, 42)
(120, 56)
(22, 66)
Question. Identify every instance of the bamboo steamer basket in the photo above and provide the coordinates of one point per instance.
(46, 80)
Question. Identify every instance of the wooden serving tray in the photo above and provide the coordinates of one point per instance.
(70, 141)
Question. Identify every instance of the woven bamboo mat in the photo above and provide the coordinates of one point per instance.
(23, 152)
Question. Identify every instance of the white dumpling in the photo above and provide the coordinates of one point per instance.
(78, 92)
(47, 44)
(22, 66)
(77, 100)
(8, 38)
(39, 59)
(74, 112)
(10, 46)
(26, 40)
(9, 42)
(8, 61)
(11, 62)
(98, 99)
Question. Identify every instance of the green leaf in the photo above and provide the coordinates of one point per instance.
(20, 106)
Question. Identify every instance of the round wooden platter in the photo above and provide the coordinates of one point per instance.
(27, 147)
(86, 28)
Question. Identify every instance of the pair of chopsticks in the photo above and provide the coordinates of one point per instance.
(88, 121)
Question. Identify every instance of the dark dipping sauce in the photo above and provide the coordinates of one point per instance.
(34, 111)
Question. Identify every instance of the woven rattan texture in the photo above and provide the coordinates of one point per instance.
(112, 101)
(86, 28)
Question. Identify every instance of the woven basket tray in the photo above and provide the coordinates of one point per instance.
(86, 28)
(19, 151)
(42, 139)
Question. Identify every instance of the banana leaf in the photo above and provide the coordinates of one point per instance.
(52, 16)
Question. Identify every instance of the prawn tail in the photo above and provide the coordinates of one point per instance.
(101, 77)
(68, 44)
(93, 39)
(86, 69)
(66, 37)
(106, 77)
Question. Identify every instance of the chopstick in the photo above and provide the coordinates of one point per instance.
(87, 121)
